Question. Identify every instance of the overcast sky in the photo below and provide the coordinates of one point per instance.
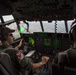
(48, 27)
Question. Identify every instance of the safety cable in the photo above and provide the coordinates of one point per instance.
(55, 26)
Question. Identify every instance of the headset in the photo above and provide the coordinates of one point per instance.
(3, 38)
(70, 32)
(2, 35)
